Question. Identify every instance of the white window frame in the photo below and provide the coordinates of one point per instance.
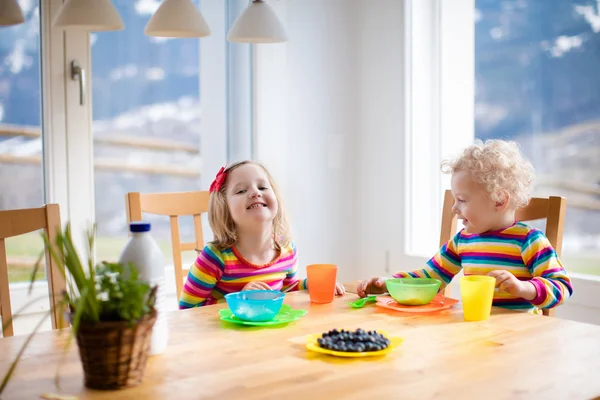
(439, 113)
(54, 108)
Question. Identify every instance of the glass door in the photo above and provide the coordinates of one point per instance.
(159, 119)
(22, 155)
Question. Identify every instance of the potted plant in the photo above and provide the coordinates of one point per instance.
(111, 312)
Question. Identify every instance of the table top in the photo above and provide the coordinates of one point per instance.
(512, 355)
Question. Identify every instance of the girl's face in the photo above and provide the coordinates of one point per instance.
(474, 205)
(249, 195)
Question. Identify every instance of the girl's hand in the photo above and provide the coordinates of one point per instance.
(507, 282)
(339, 289)
(375, 285)
(256, 286)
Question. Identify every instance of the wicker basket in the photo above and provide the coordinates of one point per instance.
(114, 354)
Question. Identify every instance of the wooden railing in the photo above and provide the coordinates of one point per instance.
(111, 164)
(575, 187)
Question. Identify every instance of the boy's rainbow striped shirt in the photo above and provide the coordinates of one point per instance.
(519, 249)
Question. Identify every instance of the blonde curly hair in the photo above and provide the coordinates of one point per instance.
(498, 165)
(221, 222)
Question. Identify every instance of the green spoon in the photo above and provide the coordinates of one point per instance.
(361, 302)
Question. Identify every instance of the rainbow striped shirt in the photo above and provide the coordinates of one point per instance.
(519, 249)
(216, 273)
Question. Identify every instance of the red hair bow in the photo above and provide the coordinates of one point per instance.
(217, 184)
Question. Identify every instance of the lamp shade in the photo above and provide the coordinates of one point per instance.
(89, 15)
(257, 24)
(11, 13)
(177, 18)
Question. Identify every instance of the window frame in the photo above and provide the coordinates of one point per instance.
(439, 113)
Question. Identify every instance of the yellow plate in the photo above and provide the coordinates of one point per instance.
(313, 345)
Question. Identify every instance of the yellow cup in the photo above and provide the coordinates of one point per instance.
(477, 292)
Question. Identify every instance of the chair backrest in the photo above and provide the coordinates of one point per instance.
(552, 209)
(173, 205)
(18, 222)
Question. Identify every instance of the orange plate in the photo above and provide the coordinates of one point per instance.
(438, 303)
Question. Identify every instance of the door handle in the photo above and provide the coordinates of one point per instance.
(78, 74)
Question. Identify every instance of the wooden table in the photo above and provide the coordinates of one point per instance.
(512, 355)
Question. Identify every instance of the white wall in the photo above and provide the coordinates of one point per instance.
(584, 305)
(329, 126)
(312, 151)
(381, 180)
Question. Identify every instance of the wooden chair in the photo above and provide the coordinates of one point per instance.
(174, 205)
(18, 222)
(552, 209)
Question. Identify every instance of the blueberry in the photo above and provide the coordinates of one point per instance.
(357, 340)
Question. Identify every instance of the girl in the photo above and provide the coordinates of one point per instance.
(489, 183)
(251, 249)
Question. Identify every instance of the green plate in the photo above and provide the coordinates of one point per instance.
(285, 315)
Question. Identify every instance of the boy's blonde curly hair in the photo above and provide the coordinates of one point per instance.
(497, 165)
(221, 222)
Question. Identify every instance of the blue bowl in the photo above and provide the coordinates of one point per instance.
(255, 305)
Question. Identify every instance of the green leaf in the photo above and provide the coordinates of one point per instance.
(79, 309)
(35, 271)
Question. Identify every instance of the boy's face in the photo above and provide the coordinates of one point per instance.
(473, 204)
(250, 198)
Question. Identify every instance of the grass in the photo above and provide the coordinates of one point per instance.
(23, 274)
(22, 252)
(583, 264)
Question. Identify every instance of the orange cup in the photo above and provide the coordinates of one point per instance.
(321, 282)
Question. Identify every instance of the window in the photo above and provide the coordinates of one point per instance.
(21, 152)
(164, 112)
(21, 114)
(155, 119)
(537, 82)
(147, 119)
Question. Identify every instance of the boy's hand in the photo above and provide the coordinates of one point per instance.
(256, 286)
(507, 282)
(339, 289)
(375, 285)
